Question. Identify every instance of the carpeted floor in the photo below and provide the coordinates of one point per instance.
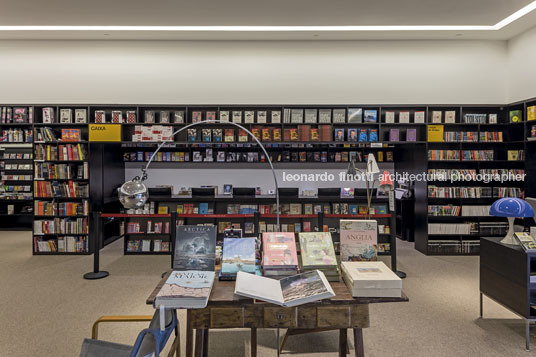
(47, 308)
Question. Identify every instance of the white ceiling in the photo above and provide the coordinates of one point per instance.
(261, 13)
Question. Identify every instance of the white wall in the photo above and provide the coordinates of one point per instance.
(361, 72)
(521, 66)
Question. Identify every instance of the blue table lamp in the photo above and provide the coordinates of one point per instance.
(511, 208)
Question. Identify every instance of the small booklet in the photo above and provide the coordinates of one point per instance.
(526, 241)
(291, 291)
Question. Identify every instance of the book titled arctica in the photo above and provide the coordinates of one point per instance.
(186, 289)
(195, 248)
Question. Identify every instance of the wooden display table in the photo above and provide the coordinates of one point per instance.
(226, 310)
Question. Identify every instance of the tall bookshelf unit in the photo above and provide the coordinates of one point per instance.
(61, 183)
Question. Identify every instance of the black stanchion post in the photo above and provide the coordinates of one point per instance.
(400, 274)
(97, 242)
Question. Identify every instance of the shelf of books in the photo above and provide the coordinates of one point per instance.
(475, 156)
(61, 181)
(147, 234)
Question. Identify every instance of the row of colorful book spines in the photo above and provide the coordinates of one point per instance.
(61, 171)
(460, 154)
(156, 227)
(46, 208)
(294, 156)
(16, 136)
(63, 189)
(63, 151)
(61, 245)
(137, 245)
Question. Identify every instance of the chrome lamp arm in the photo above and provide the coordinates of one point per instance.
(134, 193)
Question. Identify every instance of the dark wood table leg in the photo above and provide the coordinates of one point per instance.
(358, 342)
(253, 342)
(205, 343)
(198, 348)
(189, 335)
(343, 342)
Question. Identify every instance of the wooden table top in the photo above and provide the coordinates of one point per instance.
(223, 293)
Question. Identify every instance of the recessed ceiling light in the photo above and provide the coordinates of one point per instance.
(506, 21)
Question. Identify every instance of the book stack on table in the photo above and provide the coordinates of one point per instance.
(280, 258)
(371, 279)
(318, 253)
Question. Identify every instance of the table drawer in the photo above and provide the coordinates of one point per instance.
(226, 317)
(280, 317)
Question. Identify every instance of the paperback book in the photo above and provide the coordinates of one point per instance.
(290, 291)
(238, 255)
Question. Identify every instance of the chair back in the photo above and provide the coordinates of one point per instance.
(152, 339)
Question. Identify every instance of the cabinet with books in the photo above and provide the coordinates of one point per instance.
(474, 159)
(16, 185)
(61, 181)
(147, 234)
(403, 124)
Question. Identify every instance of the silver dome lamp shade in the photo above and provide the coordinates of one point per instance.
(133, 194)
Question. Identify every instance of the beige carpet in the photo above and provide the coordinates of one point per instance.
(47, 308)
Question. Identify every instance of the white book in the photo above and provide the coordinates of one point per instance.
(80, 116)
(296, 116)
(403, 117)
(390, 117)
(310, 116)
(291, 291)
(276, 116)
(324, 116)
(450, 117)
(145, 245)
(261, 116)
(66, 116)
(437, 116)
(237, 116)
(339, 116)
(48, 115)
(189, 289)
(224, 115)
(419, 117)
(362, 276)
(249, 117)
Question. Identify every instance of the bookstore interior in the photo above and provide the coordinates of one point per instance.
(237, 178)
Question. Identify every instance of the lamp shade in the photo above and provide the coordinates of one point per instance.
(372, 165)
(511, 207)
(133, 194)
(386, 184)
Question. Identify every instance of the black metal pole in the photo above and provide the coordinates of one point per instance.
(97, 242)
(400, 274)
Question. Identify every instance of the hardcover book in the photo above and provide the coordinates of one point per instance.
(178, 117)
(531, 113)
(296, 116)
(359, 240)
(437, 116)
(339, 116)
(371, 279)
(188, 289)
(238, 255)
(249, 117)
(149, 116)
(20, 115)
(237, 116)
(310, 116)
(66, 116)
(224, 115)
(117, 116)
(324, 116)
(450, 117)
(279, 250)
(211, 116)
(317, 250)
(419, 117)
(197, 117)
(403, 117)
(355, 115)
(516, 116)
(352, 135)
(80, 116)
(48, 115)
(276, 116)
(389, 117)
(370, 116)
(262, 117)
(164, 116)
(195, 248)
(339, 134)
(411, 135)
(394, 134)
(290, 291)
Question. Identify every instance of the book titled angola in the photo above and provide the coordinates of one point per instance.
(290, 291)
(359, 240)
(188, 289)
(238, 255)
(195, 248)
